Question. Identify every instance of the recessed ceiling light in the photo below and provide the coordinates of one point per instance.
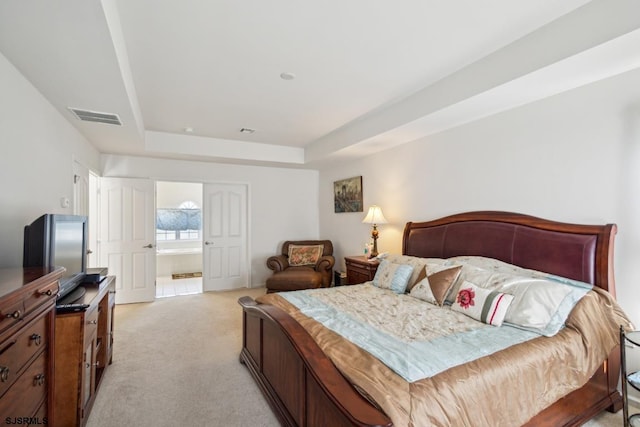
(247, 130)
(287, 76)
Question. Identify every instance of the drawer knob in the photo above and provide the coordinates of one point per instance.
(39, 379)
(36, 338)
(48, 292)
(4, 374)
(15, 315)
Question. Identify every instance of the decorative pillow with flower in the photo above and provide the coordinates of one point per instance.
(392, 276)
(482, 304)
(304, 254)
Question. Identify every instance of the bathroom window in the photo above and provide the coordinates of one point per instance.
(182, 223)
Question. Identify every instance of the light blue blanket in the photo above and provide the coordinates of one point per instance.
(411, 359)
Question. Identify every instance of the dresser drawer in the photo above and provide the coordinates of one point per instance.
(41, 295)
(41, 415)
(18, 350)
(356, 277)
(368, 269)
(10, 314)
(91, 322)
(28, 393)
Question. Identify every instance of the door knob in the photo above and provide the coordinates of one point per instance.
(149, 246)
(208, 243)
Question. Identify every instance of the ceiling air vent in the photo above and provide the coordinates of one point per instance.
(95, 116)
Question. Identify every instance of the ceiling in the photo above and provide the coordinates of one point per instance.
(186, 76)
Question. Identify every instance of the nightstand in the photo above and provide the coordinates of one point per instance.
(632, 378)
(360, 269)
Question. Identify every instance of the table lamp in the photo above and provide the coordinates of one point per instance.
(375, 217)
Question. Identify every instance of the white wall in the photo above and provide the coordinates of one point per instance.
(574, 157)
(283, 203)
(171, 194)
(37, 150)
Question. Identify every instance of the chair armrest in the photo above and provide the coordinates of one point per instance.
(278, 262)
(325, 263)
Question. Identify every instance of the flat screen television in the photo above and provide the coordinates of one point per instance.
(58, 240)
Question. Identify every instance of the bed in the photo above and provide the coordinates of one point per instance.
(305, 388)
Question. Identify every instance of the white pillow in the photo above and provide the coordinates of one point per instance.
(541, 304)
(495, 265)
(481, 304)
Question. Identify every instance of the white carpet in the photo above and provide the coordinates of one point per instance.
(175, 363)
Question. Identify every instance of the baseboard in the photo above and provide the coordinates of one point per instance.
(634, 401)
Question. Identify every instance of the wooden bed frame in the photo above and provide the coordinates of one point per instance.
(303, 386)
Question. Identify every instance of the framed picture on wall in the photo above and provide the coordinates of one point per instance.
(347, 195)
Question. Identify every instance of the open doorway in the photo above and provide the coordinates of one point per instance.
(178, 238)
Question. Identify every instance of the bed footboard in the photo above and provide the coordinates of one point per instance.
(581, 405)
(300, 383)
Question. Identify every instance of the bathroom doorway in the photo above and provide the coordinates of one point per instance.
(179, 263)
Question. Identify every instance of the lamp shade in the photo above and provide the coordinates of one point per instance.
(374, 216)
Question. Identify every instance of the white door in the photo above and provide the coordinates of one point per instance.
(80, 189)
(94, 215)
(82, 198)
(127, 237)
(224, 237)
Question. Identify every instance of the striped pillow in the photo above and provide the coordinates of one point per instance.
(392, 276)
(482, 304)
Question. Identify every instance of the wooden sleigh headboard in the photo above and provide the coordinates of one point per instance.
(575, 251)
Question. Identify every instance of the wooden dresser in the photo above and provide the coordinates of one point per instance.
(83, 350)
(27, 303)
